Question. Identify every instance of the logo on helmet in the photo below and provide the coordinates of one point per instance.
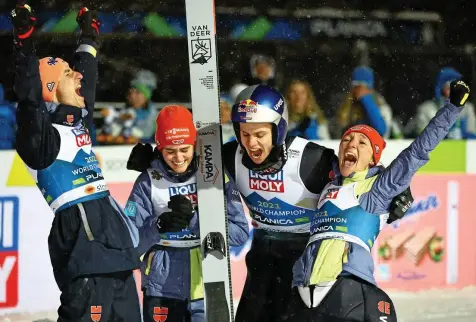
(50, 86)
(247, 106)
(278, 104)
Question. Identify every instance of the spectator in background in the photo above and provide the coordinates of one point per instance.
(465, 126)
(137, 120)
(262, 71)
(227, 131)
(7, 122)
(363, 105)
(306, 118)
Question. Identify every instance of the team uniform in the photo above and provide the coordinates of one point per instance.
(91, 242)
(280, 205)
(171, 267)
(337, 262)
(282, 194)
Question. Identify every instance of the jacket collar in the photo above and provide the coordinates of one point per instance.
(66, 115)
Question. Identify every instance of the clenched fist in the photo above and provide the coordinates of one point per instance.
(459, 93)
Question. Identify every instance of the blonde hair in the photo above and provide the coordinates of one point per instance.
(351, 111)
(312, 109)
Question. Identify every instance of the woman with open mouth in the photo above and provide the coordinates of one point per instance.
(280, 178)
(334, 276)
(165, 196)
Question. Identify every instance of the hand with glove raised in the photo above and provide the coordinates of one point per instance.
(178, 218)
(140, 157)
(459, 93)
(400, 205)
(89, 23)
(24, 21)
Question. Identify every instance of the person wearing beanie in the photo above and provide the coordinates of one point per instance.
(363, 105)
(165, 195)
(465, 126)
(279, 178)
(92, 243)
(334, 276)
(137, 119)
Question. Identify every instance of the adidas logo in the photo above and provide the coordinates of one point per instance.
(50, 86)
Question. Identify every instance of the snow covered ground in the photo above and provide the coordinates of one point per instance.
(434, 306)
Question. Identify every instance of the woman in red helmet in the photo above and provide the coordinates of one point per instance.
(334, 276)
(165, 195)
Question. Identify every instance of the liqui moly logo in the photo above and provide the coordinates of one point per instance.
(267, 182)
(82, 137)
(189, 191)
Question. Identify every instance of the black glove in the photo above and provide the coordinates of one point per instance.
(89, 23)
(173, 221)
(24, 21)
(400, 205)
(181, 203)
(459, 93)
(140, 157)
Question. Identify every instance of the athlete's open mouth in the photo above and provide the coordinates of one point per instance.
(349, 159)
(77, 89)
(256, 153)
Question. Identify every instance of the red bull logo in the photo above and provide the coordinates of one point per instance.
(247, 106)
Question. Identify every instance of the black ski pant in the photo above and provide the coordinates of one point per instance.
(164, 309)
(104, 297)
(350, 299)
(267, 292)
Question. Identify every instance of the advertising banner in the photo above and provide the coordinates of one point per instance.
(434, 245)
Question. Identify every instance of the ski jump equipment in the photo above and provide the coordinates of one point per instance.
(201, 38)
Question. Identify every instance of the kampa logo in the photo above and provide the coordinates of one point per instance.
(207, 133)
(9, 213)
(208, 169)
(268, 182)
(189, 190)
